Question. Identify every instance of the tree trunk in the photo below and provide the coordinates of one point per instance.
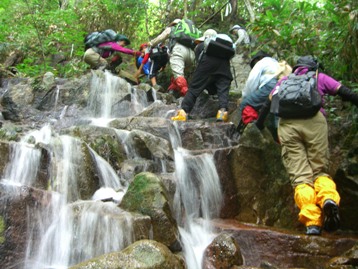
(250, 10)
(233, 16)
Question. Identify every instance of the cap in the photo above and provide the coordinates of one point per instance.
(307, 61)
(120, 37)
(207, 33)
(257, 57)
(142, 46)
(235, 27)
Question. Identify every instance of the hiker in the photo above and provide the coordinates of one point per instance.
(181, 54)
(243, 38)
(263, 76)
(305, 151)
(106, 55)
(212, 73)
(143, 68)
(152, 63)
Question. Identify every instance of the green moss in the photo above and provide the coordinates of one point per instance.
(2, 230)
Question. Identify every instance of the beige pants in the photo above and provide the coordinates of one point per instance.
(181, 59)
(304, 148)
(94, 59)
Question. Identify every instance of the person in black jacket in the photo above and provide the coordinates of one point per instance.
(213, 74)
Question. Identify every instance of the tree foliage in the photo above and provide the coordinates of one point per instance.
(42, 29)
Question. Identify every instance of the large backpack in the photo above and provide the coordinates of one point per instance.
(220, 46)
(297, 97)
(95, 38)
(185, 32)
(159, 51)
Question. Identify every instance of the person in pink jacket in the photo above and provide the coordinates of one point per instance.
(106, 55)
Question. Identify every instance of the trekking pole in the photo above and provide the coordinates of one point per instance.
(234, 71)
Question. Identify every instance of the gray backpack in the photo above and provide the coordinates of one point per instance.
(297, 97)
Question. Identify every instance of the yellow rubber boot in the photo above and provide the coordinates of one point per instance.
(181, 116)
(222, 116)
(310, 213)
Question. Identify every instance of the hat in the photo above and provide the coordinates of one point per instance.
(142, 46)
(207, 33)
(307, 61)
(120, 37)
(257, 57)
(235, 27)
(176, 21)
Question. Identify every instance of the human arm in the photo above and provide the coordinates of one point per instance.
(160, 38)
(265, 109)
(116, 47)
(348, 95)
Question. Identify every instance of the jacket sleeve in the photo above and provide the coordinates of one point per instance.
(114, 46)
(263, 114)
(348, 95)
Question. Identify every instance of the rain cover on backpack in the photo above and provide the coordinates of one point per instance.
(185, 33)
(220, 46)
(95, 38)
(297, 97)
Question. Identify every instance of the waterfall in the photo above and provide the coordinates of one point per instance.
(109, 178)
(198, 193)
(28, 156)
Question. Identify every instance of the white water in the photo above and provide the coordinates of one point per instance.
(25, 158)
(198, 199)
(72, 230)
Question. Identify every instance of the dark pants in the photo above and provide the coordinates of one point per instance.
(204, 78)
(157, 64)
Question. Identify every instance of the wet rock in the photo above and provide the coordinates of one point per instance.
(16, 204)
(104, 141)
(223, 252)
(147, 195)
(142, 254)
(283, 248)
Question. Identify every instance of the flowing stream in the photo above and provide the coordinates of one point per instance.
(72, 230)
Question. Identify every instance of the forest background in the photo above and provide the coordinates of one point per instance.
(39, 30)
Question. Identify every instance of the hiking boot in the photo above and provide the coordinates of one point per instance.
(313, 230)
(222, 115)
(331, 216)
(181, 116)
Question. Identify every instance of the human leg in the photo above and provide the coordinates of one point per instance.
(328, 199)
(292, 138)
(94, 59)
(222, 84)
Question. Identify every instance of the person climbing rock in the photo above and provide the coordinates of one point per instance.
(304, 142)
(180, 34)
(107, 55)
(212, 73)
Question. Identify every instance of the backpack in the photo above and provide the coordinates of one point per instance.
(185, 33)
(158, 52)
(220, 46)
(95, 38)
(297, 97)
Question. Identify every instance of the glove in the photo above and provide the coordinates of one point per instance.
(348, 95)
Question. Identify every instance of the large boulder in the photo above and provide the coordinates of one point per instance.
(147, 195)
(144, 254)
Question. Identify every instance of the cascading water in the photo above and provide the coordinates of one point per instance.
(68, 230)
(198, 193)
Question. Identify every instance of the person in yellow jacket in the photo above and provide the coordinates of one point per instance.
(304, 143)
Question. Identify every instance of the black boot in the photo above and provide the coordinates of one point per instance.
(331, 216)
